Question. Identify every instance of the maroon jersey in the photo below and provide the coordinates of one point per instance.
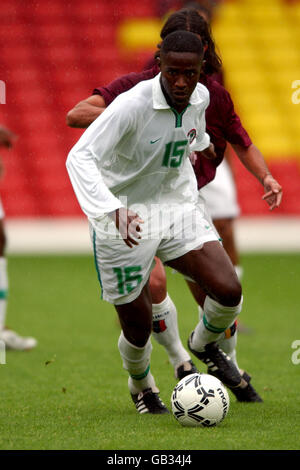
(222, 123)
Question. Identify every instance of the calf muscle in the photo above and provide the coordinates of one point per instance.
(136, 318)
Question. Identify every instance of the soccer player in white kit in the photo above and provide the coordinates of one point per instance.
(11, 339)
(137, 152)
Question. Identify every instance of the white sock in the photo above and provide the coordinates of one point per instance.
(239, 271)
(137, 362)
(215, 320)
(227, 344)
(165, 331)
(3, 291)
(200, 312)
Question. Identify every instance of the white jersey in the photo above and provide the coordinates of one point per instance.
(138, 149)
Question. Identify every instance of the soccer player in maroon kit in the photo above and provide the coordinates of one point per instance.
(223, 125)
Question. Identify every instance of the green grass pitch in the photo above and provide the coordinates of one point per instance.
(71, 391)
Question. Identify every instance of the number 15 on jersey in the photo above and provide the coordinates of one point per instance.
(174, 154)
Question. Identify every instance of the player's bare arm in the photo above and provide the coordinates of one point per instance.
(209, 152)
(253, 160)
(85, 112)
(128, 224)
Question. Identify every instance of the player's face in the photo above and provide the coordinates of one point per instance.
(180, 72)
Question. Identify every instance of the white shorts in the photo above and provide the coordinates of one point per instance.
(124, 271)
(220, 195)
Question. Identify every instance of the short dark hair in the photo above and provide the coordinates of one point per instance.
(182, 41)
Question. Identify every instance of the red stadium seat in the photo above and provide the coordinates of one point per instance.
(136, 8)
(21, 203)
(53, 34)
(9, 12)
(22, 76)
(93, 12)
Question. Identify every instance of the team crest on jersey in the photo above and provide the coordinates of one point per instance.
(192, 135)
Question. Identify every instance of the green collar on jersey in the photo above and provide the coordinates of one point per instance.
(178, 116)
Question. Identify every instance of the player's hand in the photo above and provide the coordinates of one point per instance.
(273, 192)
(193, 158)
(128, 224)
(7, 137)
(209, 152)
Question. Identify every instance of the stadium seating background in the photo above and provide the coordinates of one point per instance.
(54, 53)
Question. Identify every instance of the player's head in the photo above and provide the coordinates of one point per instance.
(182, 41)
(190, 19)
(181, 56)
(204, 7)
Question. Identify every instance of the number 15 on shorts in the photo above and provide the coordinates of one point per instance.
(128, 278)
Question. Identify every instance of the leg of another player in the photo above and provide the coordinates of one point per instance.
(165, 323)
(135, 350)
(11, 339)
(3, 278)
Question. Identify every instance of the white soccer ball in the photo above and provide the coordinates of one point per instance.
(200, 400)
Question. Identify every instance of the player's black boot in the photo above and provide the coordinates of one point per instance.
(149, 402)
(248, 393)
(219, 364)
(186, 368)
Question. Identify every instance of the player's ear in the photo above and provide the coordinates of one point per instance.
(157, 55)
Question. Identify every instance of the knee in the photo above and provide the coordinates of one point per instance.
(138, 336)
(136, 318)
(231, 294)
(137, 333)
